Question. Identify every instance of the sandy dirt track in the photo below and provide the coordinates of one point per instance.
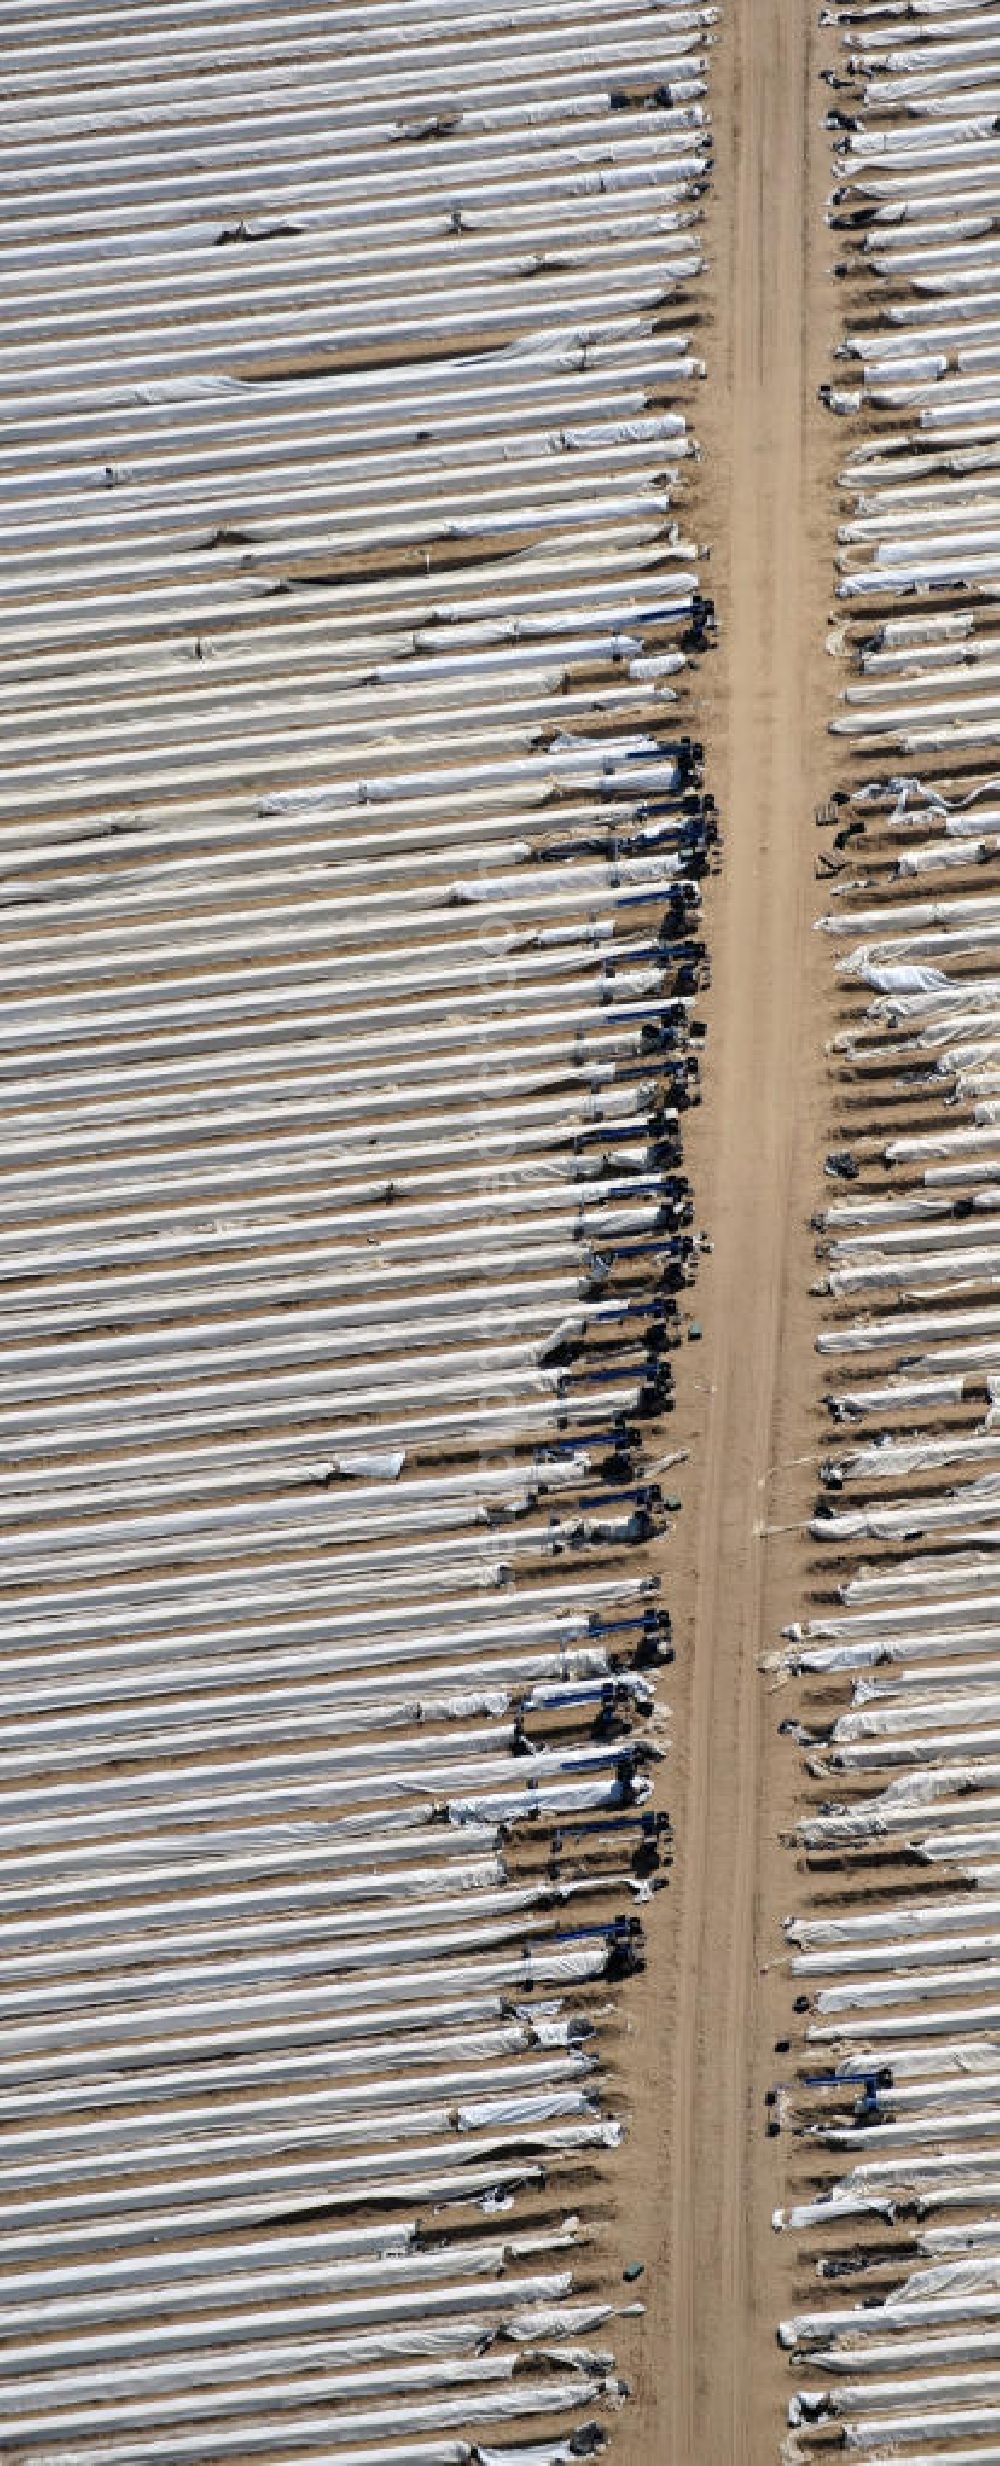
(710, 2384)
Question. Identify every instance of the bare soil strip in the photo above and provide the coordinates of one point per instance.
(712, 2384)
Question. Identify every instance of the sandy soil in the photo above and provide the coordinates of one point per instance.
(709, 2380)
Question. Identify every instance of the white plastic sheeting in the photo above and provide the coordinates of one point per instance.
(354, 833)
(892, 2087)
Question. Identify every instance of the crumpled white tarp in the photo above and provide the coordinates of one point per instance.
(897, 979)
(547, 2453)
